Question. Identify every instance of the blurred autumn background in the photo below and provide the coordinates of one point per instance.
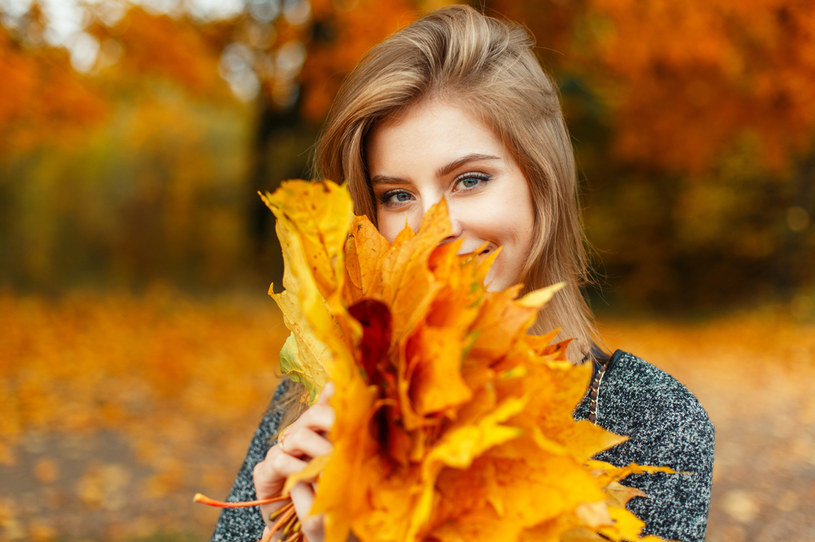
(137, 346)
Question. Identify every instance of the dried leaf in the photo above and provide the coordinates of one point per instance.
(452, 422)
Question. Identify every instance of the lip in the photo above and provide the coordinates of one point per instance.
(482, 250)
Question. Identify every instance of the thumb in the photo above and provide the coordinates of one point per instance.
(328, 391)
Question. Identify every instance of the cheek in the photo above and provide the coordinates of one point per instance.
(515, 229)
(509, 224)
(390, 224)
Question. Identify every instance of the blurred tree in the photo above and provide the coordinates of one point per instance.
(693, 125)
(139, 47)
(41, 96)
(287, 56)
(147, 193)
(296, 53)
(689, 89)
(686, 82)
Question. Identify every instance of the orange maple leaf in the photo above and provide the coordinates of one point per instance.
(453, 423)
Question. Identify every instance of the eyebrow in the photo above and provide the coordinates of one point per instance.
(473, 157)
(442, 171)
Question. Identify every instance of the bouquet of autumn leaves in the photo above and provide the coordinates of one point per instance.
(452, 422)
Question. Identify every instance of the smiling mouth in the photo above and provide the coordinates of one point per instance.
(481, 251)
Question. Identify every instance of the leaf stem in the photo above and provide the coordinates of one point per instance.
(222, 504)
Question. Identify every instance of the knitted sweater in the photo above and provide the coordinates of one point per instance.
(667, 426)
(665, 423)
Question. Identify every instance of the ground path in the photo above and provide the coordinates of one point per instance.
(115, 410)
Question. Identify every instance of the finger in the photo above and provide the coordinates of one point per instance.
(269, 477)
(302, 495)
(328, 392)
(319, 417)
(304, 442)
(270, 474)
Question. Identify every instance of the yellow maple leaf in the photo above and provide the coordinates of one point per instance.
(312, 223)
(452, 422)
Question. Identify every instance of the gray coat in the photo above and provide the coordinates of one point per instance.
(665, 423)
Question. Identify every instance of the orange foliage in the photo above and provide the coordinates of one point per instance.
(67, 361)
(552, 24)
(41, 96)
(114, 408)
(43, 99)
(87, 363)
(175, 48)
(350, 32)
(685, 81)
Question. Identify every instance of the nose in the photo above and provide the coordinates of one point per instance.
(455, 224)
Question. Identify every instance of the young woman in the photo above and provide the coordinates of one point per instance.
(456, 106)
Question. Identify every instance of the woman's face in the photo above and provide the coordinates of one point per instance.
(438, 150)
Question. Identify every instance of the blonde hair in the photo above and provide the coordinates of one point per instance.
(487, 66)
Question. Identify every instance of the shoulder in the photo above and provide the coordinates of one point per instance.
(650, 406)
(666, 426)
(639, 400)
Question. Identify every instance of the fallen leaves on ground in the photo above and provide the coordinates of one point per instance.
(753, 372)
(724, 360)
(115, 407)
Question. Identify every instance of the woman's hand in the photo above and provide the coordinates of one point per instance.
(296, 446)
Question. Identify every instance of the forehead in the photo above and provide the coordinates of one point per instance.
(430, 131)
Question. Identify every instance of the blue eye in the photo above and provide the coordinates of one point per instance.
(469, 181)
(395, 197)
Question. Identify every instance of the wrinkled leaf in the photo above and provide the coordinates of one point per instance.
(452, 422)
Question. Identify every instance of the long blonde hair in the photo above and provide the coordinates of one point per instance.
(487, 66)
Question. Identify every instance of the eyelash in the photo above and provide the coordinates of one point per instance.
(483, 177)
(385, 199)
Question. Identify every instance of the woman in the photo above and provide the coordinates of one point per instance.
(456, 106)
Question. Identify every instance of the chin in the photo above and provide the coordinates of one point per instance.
(495, 283)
